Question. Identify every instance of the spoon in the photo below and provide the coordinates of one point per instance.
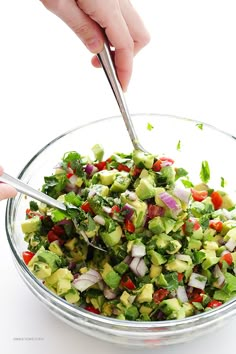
(44, 198)
(106, 61)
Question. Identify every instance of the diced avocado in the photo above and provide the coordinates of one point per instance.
(163, 240)
(31, 225)
(173, 247)
(210, 259)
(156, 225)
(145, 189)
(197, 234)
(146, 294)
(169, 173)
(52, 259)
(113, 238)
(155, 270)
(145, 310)
(194, 244)
(233, 254)
(72, 296)
(107, 177)
(140, 209)
(40, 269)
(121, 182)
(107, 309)
(227, 202)
(55, 248)
(161, 280)
(63, 286)
(98, 302)
(124, 298)
(131, 313)
(210, 245)
(121, 268)
(61, 273)
(100, 189)
(111, 278)
(231, 234)
(201, 187)
(156, 258)
(176, 265)
(172, 308)
(98, 152)
(188, 309)
(143, 159)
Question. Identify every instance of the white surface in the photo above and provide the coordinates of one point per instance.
(47, 85)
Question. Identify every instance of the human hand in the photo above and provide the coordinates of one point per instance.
(6, 191)
(123, 27)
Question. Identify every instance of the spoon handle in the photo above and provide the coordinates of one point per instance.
(26, 189)
(107, 63)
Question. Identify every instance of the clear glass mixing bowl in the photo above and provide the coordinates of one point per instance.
(185, 140)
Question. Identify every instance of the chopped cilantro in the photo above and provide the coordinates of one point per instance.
(91, 223)
(178, 146)
(200, 126)
(222, 182)
(180, 172)
(33, 206)
(187, 183)
(205, 172)
(150, 126)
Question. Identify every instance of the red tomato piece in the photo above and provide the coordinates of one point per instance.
(122, 167)
(115, 209)
(126, 282)
(216, 200)
(155, 210)
(197, 295)
(92, 309)
(227, 257)
(69, 175)
(129, 226)
(52, 236)
(216, 225)
(136, 171)
(199, 196)
(180, 277)
(214, 303)
(102, 165)
(86, 207)
(27, 256)
(157, 166)
(160, 295)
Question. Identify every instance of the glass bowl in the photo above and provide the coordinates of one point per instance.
(188, 142)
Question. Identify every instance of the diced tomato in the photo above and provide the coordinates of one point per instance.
(180, 277)
(154, 210)
(86, 207)
(92, 309)
(160, 295)
(197, 295)
(157, 166)
(199, 196)
(102, 165)
(27, 256)
(136, 171)
(122, 167)
(126, 282)
(52, 236)
(69, 175)
(195, 226)
(129, 226)
(214, 303)
(227, 257)
(216, 200)
(115, 209)
(216, 225)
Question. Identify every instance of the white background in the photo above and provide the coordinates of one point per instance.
(47, 86)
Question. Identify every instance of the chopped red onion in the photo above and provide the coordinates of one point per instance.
(86, 280)
(91, 193)
(109, 293)
(64, 222)
(168, 200)
(220, 278)
(197, 281)
(181, 294)
(128, 211)
(231, 244)
(128, 259)
(138, 250)
(90, 169)
(99, 219)
(182, 193)
(131, 195)
(138, 266)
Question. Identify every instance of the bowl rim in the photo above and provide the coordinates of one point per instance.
(100, 319)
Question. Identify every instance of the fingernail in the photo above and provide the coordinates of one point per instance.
(94, 45)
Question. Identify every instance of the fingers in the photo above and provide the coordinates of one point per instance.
(107, 14)
(83, 26)
(6, 191)
(135, 25)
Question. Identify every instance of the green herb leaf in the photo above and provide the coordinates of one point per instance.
(150, 126)
(180, 172)
(205, 172)
(172, 280)
(178, 147)
(187, 183)
(91, 224)
(222, 182)
(199, 125)
(33, 206)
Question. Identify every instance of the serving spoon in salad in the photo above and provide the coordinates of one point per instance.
(106, 61)
(44, 198)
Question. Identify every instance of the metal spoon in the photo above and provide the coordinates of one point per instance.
(106, 61)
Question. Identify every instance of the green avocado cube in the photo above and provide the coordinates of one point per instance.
(107, 177)
(121, 182)
(31, 225)
(112, 238)
(40, 269)
(72, 296)
(63, 286)
(145, 189)
(132, 313)
(156, 258)
(146, 294)
(110, 277)
(143, 159)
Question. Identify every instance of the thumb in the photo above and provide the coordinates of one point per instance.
(84, 27)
